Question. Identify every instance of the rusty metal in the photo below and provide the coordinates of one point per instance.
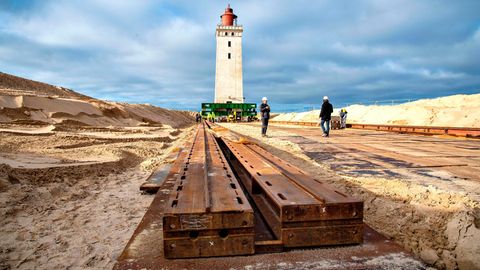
(375, 250)
(145, 250)
(425, 130)
(428, 130)
(207, 213)
(301, 211)
(155, 180)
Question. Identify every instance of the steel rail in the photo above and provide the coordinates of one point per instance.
(290, 210)
(300, 210)
(425, 130)
(207, 213)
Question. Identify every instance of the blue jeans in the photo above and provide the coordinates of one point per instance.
(325, 130)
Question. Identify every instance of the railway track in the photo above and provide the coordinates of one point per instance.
(226, 198)
(300, 211)
(207, 213)
(424, 130)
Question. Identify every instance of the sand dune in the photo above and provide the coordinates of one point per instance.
(55, 110)
(70, 169)
(20, 86)
(29, 101)
(450, 111)
(52, 110)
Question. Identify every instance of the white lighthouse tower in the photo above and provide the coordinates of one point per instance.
(228, 74)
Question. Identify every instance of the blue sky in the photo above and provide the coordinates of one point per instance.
(163, 52)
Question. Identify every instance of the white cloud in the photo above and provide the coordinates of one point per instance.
(425, 72)
(292, 50)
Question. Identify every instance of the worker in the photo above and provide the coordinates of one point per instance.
(198, 117)
(265, 111)
(229, 115)
(343, 118)
(213, 117)
(326, 116)
(235, 116)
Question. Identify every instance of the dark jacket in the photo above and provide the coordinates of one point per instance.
(326, 112)
(265, 110)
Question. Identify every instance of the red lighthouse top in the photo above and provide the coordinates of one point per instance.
(228, 17)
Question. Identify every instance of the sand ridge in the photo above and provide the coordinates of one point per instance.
(450, 111)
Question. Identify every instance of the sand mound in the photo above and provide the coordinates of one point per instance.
(450, 111)
(19, 86)
(26, 100)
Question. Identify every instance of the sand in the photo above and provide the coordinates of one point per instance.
(20, 86)
(71, 199)
(450, 111)
(71, 167)
(55, 110)
(70, 171)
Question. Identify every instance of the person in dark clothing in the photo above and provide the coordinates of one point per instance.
(326, 116)
(265, 111)
(198, 117)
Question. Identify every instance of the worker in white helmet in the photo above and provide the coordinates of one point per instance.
(265, 111)
(326, 116)
(343, 118)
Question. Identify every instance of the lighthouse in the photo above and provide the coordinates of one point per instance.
(228, 69)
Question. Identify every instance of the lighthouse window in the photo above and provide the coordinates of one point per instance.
(232, 33)
(229, 44)
(226, 34)
(229, 55)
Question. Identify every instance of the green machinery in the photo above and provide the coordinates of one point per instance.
(228, 111)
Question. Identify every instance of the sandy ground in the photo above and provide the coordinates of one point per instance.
(432, 212)
(69, 197)
(450, 111)
(70, 171)
(71, 166)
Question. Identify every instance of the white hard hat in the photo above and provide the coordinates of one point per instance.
(264, 98)
(325, 98)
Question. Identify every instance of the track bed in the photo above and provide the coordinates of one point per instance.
(224, 198)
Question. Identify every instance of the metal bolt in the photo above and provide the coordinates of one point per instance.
(172, 226)
(290, 236)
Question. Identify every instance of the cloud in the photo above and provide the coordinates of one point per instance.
(163, 52)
